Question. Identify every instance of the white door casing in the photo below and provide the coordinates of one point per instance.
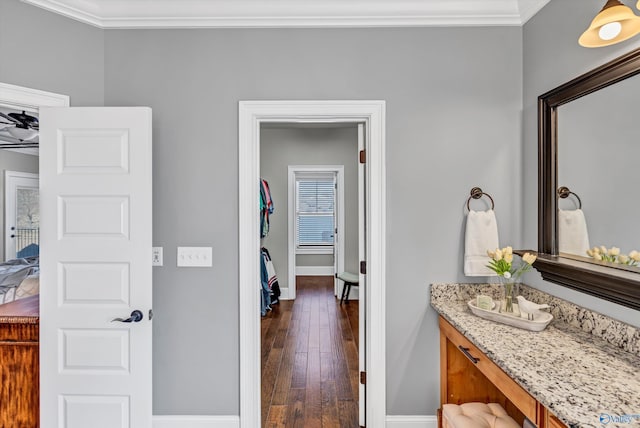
(95, 193)
(251, 115)
(362, 281)
(13, 181)
(337, 234)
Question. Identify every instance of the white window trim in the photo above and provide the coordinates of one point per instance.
(323, 171)
(293, 248)
(311, 250)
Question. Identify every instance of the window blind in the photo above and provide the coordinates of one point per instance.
(315, 211)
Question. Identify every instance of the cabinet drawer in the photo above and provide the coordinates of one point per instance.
(514, 392)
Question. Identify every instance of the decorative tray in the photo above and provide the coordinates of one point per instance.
(540, 322)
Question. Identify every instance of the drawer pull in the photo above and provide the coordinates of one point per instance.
(465, 351)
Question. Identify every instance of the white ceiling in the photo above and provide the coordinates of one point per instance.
(293, 13)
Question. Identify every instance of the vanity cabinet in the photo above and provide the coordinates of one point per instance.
(19, 365)
(553, 422)
(468, 375)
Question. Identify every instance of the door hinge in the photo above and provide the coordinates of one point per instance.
(363, 378)
(363, 156)
(363, 267)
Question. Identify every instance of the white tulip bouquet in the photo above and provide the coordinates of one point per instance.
(613, 255)
(502, 263)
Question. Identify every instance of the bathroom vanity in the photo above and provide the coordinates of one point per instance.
(468, 375)
(581, 371)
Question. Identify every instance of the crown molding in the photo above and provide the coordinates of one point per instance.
(109, 14)
(85, 11)
(528, 8)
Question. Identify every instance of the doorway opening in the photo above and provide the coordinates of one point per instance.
(310, 342)
(252, 114)
(19, 261)
(19, 208)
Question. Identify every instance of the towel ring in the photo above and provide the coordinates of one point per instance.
(564, 192)
(477, 193)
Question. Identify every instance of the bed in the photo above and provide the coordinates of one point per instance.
(19, 278)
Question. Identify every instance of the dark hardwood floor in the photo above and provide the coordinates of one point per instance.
(310, 359)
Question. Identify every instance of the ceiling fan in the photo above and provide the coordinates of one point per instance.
(20, 126)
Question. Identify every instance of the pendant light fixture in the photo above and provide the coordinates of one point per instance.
(615, 23)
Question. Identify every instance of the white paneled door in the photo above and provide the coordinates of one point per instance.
(95, 195)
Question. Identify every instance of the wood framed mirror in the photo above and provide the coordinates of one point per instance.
(608, 281)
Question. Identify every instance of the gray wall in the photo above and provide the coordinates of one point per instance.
(42, 50)
(282, 147)
(454, 98)
(552, 56)
(11, 161)
(316, 259)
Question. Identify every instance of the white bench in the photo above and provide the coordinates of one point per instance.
(350, 280)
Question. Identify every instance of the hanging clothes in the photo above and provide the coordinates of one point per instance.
(268, 277)
(265, 292)
(266, 207)
(274, 286)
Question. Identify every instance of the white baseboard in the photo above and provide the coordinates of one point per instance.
(186, 421)
(314, 270)
(411, 421)
(284, 293)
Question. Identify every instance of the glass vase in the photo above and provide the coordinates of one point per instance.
(509, 291)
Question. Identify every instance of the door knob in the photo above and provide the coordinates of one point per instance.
(136, 316)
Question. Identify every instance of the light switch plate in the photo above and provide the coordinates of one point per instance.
(156, 256)
(195, 256)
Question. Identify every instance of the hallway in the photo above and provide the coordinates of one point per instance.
(310, 359)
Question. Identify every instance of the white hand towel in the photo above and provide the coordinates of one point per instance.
(481, 235)
(573, 237)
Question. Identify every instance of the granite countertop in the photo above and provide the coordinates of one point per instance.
(578, 376)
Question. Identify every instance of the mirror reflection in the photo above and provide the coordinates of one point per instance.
(598, 156)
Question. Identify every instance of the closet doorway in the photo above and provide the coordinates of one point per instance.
(310, 341)
(252, 116)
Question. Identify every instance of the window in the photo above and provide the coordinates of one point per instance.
(315, 210)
